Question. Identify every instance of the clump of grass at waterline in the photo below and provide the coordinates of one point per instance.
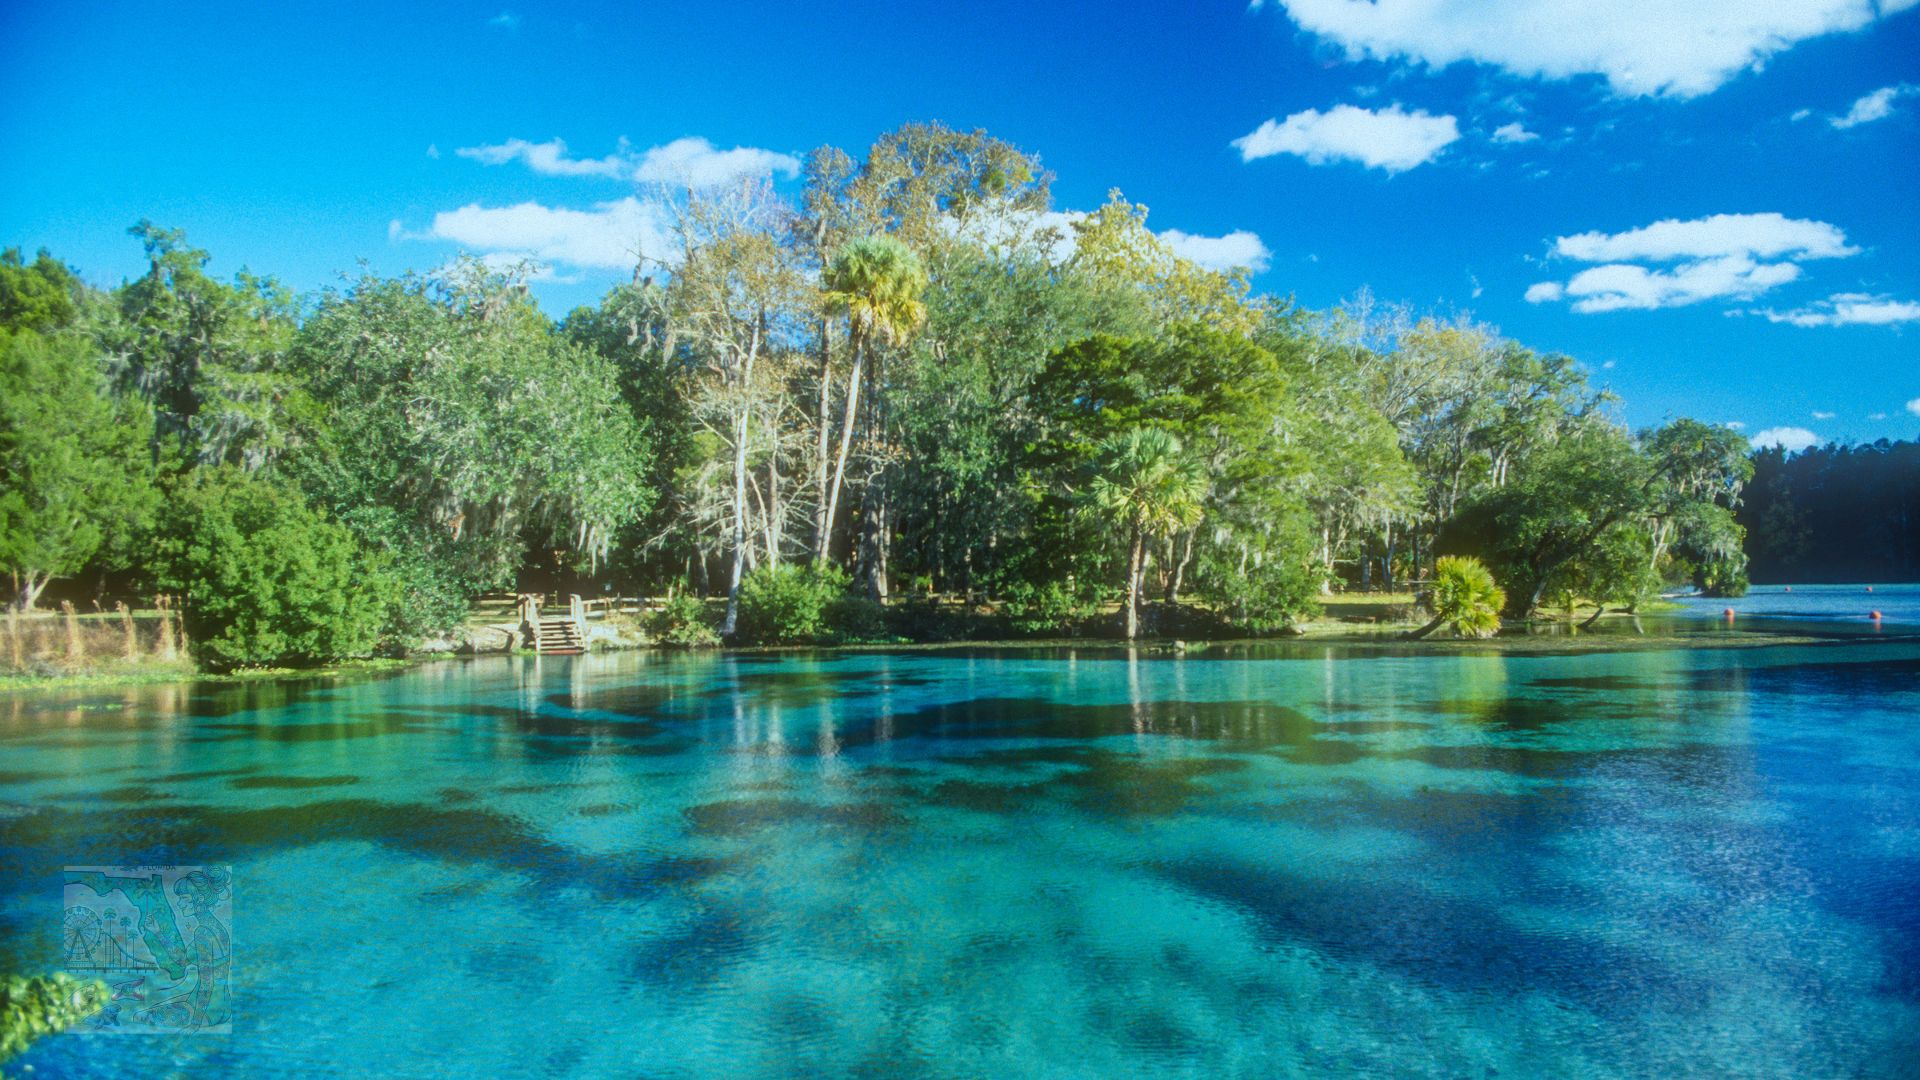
(39, 648)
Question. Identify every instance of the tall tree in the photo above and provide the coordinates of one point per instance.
(1145, 485)
(877, 283)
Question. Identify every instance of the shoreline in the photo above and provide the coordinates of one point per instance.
(1552, 638)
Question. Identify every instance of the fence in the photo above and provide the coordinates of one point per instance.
(68, 640)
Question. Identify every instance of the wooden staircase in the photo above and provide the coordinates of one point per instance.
(557, 637)
(564, 635)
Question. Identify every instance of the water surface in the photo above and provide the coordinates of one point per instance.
(1270, 861)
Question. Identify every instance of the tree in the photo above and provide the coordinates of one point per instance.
(1145, 486)
(74, 467)
(267, 579)
(207, 356)
(452, 427)
(877, 283)
(735, 297)
(1464, 598)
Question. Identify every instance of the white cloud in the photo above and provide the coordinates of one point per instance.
(1791, 439)
(1914, 406)
(506, 20)
(1875, 106)
(1760, 236)
(612, 235)
(691, 161)
(1513, 133)
(1821, 414)
(1673, 263)
(1235, 249)
(695, 162)
(1735, 425)
(549, 158)
(1881, 415)
(1624, 286)
(1800, 114)
(1389, 138)
(1641, 47)
(1847, 309)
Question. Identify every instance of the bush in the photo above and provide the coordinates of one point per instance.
(682, 621)
(788, 604)
(266, 578)
(1272, 596)
(1050, 609)
(1464, 598)
(34, 1007)
(1725, 577)
(858, 620)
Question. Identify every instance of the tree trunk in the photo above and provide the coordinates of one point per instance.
(822, 519)
(732, 620)
(1415, 635)
(1598, 610)
(1136, 559)
(28, 586)
(846, 444)
(1180, 569)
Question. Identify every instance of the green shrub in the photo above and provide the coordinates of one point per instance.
(1464, 598)
(858, 620)
(682, 622)
(1271, 596)
(31, 1008)
(266, 578)
(1723, 577)
(1054, 608)
(788, 604)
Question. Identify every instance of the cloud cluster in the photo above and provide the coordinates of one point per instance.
(1875, 106)
(1791, 439)
(1641, 47)
(1847, 309)
(1390, 138)
(612, 235)
(1513, 133)
(690, 161)
(1673, 263)
(1236, 249)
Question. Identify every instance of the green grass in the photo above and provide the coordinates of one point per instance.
(159, 673)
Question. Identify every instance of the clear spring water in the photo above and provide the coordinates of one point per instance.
(1286, 860)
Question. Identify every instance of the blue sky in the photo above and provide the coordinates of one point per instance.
(1714, 207)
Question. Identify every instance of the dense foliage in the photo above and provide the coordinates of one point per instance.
(910, 375)
(33, 1007)
(1463, 598)
(266, 578)
(1835, 514)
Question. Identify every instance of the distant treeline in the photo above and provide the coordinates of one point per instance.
(1834, 514)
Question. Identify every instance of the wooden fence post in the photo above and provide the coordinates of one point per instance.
(166, 627)
(126, 623)
(76, 652)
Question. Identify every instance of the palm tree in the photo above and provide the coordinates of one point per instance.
(877, 282)
(1147, 487)
(1464, 597)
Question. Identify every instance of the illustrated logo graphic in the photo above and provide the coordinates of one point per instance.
(159, 937)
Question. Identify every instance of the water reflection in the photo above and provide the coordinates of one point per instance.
(1258, 860)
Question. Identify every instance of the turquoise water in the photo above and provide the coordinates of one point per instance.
(1287, 860)
(1829, 605)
